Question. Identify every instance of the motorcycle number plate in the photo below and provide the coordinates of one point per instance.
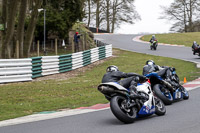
(178, 95)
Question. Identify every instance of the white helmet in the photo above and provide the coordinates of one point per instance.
(112, 68)
(150, 62)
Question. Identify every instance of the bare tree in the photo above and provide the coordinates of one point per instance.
(89, 11)
(21, 25)
(10, 11)
(31, 27)
(183, 13)
(108, 3)
(3, 33)
(123, 11)
(109, 14)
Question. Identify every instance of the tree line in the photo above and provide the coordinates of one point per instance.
(109, 14)
(184, 14)
(21, 21)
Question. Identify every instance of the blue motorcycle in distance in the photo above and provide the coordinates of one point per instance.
(167, 92)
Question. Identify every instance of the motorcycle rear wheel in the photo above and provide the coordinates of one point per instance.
(160, 107)
(118, 108)
(166, 100)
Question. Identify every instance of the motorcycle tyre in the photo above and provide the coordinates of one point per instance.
(159, 94)
(159, 111)
(117, 111)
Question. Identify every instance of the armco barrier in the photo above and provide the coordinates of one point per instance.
(65, 63)
(36, 67)
(16, 70)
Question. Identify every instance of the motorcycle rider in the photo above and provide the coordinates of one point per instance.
(161, 71)
(150, 67)
(130, 79)
(195, 46)
(153, 38)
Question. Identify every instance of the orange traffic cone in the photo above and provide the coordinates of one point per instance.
(185, 80)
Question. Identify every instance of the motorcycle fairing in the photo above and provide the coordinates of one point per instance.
(146, 110)
(116, 85)
(153, 74)
(148, 107)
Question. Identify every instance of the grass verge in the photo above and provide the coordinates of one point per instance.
(185, 39)
(19, 99)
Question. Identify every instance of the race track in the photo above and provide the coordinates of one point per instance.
(126, 42)
(181, 117)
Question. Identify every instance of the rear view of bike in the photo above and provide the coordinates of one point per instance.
(121, 105)
(168, 90)
(153, 45)
(126, 108)
(196, 49)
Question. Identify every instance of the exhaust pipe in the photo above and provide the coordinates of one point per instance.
(107, 89)
(167, 84)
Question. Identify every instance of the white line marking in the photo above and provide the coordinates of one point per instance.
(39, 117)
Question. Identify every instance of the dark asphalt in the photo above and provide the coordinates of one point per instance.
(181, 117)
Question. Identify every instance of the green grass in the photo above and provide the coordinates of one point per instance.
(19, 99)
(176, 38)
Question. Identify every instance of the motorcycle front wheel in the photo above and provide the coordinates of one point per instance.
(160, 107)
(164, 95)
(118, 105)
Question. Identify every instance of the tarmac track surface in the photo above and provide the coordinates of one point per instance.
(126, 42)
(181, 117)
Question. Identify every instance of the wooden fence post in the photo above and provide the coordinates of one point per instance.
(72, 46)
(83, 45)
(85, 41)
(38, 48)
(17, 49)
(56, 46)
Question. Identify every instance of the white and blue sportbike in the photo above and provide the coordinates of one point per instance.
(127, 109)
(167, 92)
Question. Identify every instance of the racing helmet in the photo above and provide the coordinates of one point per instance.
(150, 62)
(194, 42)
(112, 68)
(153, 36)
